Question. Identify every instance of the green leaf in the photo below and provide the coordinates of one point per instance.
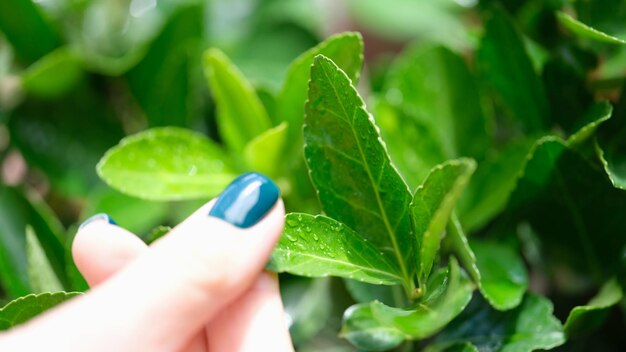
(240, 113)
(586, 31)
(433, 85)
(363, 292)
(167, 163)
(456, 242)
(308, 304)
(611, 145)
(559, 182)
(491, 186)
(53, 75)
(161, 81)
(457, 347)
(157, 233)
(349, 167)
(432, 206)
(264, 152)
(16, 213)
(584, 319)
(531, 326)
(25, 308)
(503, 276)
(375, 326)
(318, 246)
(28, 31)
(596, 116)
(506, 67)
(346, 51)
(40, 273)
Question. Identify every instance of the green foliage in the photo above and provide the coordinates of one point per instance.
(493, 163)
(24, 308)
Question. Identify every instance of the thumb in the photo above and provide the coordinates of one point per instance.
(170, 292)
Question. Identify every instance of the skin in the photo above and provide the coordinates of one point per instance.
(199, 288)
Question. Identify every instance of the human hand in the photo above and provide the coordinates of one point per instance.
(201, 287)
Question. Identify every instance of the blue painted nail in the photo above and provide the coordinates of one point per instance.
(246, 200)
(101, 216)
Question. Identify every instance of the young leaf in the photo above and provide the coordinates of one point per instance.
(503, 62)
(40, 273)
(456, 241)
(346, 51)
(25, 308)
(240, 113)
(167, 163)
(375, 326)
(318, 246)
(432, 206)
(559, 182)
(584, 319)
(349, 167)
(531, 326)
(503, 276)
(586, 31)
(264, 152)
(53, 75)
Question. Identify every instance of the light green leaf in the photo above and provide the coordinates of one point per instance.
(318, 246)
(503, 276)
(54, 74)
(434, 86)
(40, 273)
(264, 152)
(240, 113)
(586, 31)
(308, 304)
(166, 163)
(350, 168)
(531, 326)
(506, 67)
(456, 242)
(157, 233)
(375, 326)
(584, 319)
(25, 308)
(432, 206)
(346, 51)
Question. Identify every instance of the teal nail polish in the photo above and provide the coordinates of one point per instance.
(246, 200)
(101, 216)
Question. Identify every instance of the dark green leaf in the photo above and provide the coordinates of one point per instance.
(356, 183)
(507, 69)
(264, 152)
(559, 182)
(25, 308)
(585, 31)
(375, 326)
(27, 29)
(240, 113)
(317, 246)
(162, 81)
(167, 163)
(530, 326)
(53, 75)
(503, 276)
(611, 145)
(584, 319)
(41, 275)
(596, 116)
(363, 292)
(432, 206)
(346, 51)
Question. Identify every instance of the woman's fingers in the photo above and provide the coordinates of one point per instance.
(100, 249)
(161, 299)
(254, 322)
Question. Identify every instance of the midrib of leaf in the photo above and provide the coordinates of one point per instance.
(408, 283)
(581, 232)
(348, 264)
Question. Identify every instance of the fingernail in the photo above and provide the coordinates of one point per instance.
(246, 200)
(98, 217)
